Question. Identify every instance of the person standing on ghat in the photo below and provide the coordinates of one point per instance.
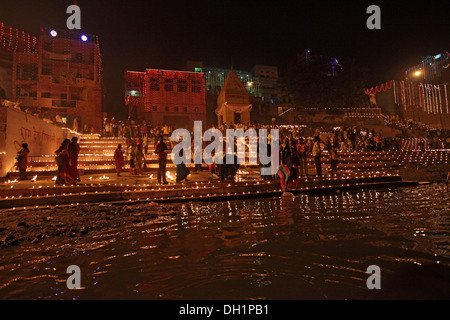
(66, 170)
(132, 157)
(74, 150)
(302, 150)
(22, 161)
(139, 159)
(334, 157)
(286, 156)
(59, 161)
(161, 150)
(182, 171)
(119, 160)
(316, 152)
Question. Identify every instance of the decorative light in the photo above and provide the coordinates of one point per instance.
(84, 38)
(53, 33)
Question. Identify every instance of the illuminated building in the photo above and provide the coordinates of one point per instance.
(215, 78)
(422, 97)
(60, 73)
(431, 69)
(175, 98)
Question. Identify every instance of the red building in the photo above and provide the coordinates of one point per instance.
(57, 73)
(175, 98)
(12, 41)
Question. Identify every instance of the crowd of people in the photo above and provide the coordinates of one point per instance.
(435, 138)
(297, 143)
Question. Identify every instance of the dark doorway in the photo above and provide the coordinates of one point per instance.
(237, 117)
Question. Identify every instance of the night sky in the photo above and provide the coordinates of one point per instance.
(137, 34)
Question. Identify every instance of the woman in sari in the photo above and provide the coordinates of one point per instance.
(65, 171)
(59, 160)
(182, 170)
(119, 159)
(139, 160)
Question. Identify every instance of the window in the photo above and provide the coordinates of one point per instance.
(154, 84)
(48, 46)
(185, 109)
(181, 86)
(73, 97)
(64, 96)
(46, 70)
(196, 109)
(45, 95)
(196, 86)
(175, 109)
(79, 57)
(155, 108)
(168, 86)
(167, 109)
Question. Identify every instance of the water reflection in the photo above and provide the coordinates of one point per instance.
(303, 247)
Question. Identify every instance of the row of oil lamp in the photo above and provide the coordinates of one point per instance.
(330, 177)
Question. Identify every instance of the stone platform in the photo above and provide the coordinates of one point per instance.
(201, 187)
(100, 184)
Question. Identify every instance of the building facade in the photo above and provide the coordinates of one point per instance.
(268, 76)
(175, 98)
(431, 69)
(12, 41)
(424, 96)
(215, 78)
(58, 76)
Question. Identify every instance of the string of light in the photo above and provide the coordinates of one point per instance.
(430, 98)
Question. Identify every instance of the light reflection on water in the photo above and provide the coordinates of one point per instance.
(307, 247)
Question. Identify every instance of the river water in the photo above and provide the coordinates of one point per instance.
(303, 247)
